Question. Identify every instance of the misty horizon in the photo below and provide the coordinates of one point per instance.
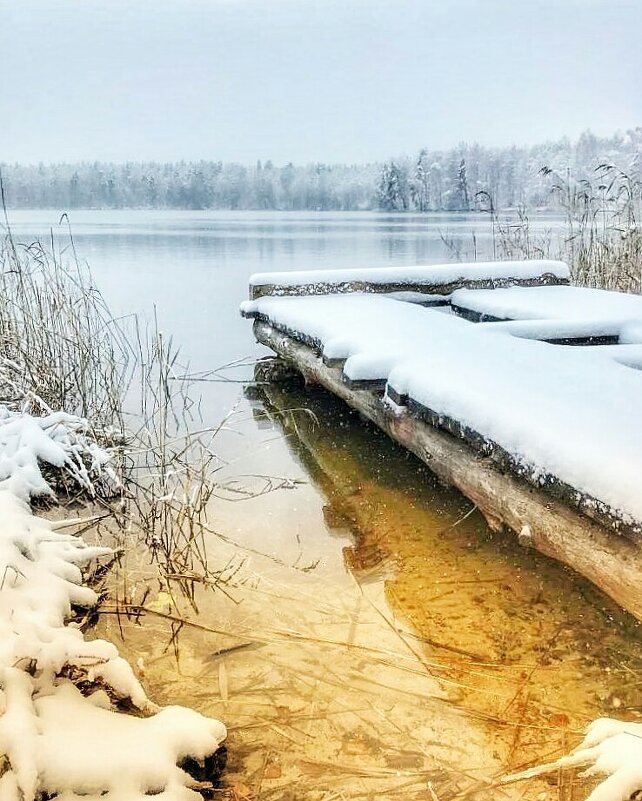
(460, 179)
(563, 140)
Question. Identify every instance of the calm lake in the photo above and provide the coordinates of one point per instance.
(193, 266)
(381, 637)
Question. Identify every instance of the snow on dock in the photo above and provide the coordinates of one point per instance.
(559, 414)
(547, 302)
(427, 279)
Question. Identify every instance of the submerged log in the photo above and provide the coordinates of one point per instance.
(610, 561)
(271, 370)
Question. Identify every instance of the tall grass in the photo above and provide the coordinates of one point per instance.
(601, 239)
(62, 348)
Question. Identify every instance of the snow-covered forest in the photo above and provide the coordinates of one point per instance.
(448, 180)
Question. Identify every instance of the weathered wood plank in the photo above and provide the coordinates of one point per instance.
(609, 560)
(425, 287)
(505, 462)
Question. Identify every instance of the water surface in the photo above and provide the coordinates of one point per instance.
(376, 636)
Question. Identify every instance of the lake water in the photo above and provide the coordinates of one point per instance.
(380, 638)
(193, 267)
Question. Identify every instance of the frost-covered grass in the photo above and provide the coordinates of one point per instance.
(603, 239)
(95, 405)
(602, 235)
(60, 346)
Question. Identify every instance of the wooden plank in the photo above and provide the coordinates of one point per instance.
(610, 561)
(474, 316)
(428, 288)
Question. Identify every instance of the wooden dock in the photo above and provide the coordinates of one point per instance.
(582, 525)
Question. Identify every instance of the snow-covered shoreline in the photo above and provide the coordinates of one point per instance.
(55, 738)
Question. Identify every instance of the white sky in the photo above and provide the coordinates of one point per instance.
(307, 80)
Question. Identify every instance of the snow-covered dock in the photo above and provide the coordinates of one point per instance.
(517, 388)
(437, 280)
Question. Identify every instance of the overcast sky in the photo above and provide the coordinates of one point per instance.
(308, 80)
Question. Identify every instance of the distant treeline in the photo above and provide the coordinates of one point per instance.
(460, 179)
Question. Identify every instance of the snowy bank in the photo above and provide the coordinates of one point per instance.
(55, 740)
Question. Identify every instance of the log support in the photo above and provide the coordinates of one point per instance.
(611, 562)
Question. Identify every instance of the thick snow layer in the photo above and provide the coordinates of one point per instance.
(563, 411)
(422, 298)
(559, 410)
(560, 329)
(115, 752)
(429, 275)
(58, 439)
(611, 748)
(51, 737)
(550, 302)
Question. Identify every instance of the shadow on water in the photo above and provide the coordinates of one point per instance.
(545, 649)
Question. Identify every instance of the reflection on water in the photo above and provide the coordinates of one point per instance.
(545, 650)
(377, 637)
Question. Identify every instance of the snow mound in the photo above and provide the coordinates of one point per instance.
(611, 749)
(58, 439)
(53, 739)
(83, 749)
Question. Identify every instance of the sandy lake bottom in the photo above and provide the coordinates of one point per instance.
(373, 638)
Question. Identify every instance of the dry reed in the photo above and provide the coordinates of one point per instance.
(62, 348)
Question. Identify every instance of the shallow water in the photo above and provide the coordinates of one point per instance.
(371, 635)
(387, 637)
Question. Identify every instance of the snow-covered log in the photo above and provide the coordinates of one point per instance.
(439, 279)
(611, 562)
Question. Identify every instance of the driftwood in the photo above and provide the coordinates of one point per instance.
(611, 561)
(425, 287)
